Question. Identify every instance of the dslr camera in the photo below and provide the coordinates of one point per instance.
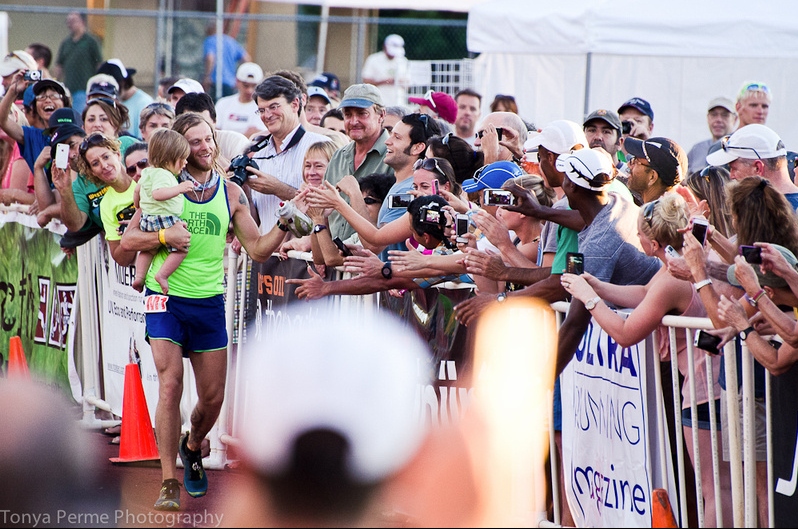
(32, 75)
(238, 166)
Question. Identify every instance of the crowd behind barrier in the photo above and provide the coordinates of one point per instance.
(89, 325)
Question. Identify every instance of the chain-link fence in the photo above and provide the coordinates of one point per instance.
(160, 42)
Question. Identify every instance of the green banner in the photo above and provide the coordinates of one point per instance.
(38, 286)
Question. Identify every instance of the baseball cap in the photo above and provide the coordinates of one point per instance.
(440, 102)
(326, 80)
(44, 84)
(103, 89)
(492, 176)
(768, 279)
(189, 86)
(318, 91)
(15, 61)
(116, 69)
(62, 117)
(583, 166)
(663, 154)
(28, 96)
(395, 45)
(64, 132)
(249, 72)
(361, 95)
(336, 384)
(723, 102)
(752, 142)
(639, 104)
(609, 116)
(559, 137)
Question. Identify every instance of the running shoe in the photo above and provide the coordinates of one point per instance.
(194, 478)
(169, 499)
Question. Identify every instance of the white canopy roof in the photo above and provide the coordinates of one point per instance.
(461, 6)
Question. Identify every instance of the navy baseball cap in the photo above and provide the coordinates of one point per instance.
(61, 117)
(638, 104)
(326, 80)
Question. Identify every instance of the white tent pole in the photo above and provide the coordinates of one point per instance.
(219, 48)
(322, 46)
(588, 64)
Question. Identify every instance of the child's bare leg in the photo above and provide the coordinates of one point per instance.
(171, 263)
(143, 261)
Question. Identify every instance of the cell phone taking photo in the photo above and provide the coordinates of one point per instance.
(575, 263)
(343, 247)
(700, 227)
(707, 342)
(751, 254)
(400, 201)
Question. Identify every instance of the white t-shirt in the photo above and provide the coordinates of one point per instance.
(232, 114)
(380, 68)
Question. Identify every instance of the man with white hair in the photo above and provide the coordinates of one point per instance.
(239, 112)
(389, 70)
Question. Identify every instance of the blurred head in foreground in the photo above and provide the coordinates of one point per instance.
(330, 415)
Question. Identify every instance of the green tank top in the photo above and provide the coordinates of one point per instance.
(201, 274)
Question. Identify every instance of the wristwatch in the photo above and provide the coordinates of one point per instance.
(746, 332)
(386, 271)
(592, 302)
(319, 227)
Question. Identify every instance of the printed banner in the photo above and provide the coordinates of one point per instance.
(38, 285)
(605, 427)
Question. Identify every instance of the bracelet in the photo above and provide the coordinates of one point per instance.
(755, 300)
(283, 227)
(161, 237)
(701, 284)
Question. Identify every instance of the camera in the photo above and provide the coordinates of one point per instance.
(751, 254)
(431, 216)
(626, 127)
(707, 342)
(700, 227)
(671, 251)
(238, 166)
(399, 201)
(32, 75)
(575, 263)
(497, 197)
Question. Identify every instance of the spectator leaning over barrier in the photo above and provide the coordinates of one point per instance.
(659, 224)
(191, 319)
(155, 116)
(280, 162)
(70, 133)
(364, 113)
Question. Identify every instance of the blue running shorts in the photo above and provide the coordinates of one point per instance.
(197, 325)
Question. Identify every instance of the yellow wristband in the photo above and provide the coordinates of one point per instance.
(161, 237)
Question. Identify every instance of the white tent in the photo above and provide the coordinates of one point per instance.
(567, 58)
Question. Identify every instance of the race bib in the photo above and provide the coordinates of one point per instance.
(155, 303)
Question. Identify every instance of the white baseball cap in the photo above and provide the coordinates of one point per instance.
(318, 91)
(189, 86)
(395, 45)
(15, 61)
(559, 137)
(249, 72)
(358, 378)
(584, 165)
(752, 142)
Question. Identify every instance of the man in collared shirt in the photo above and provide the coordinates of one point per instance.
(280, 162)
(363, 118)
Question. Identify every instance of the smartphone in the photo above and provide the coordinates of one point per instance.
(671, 251)
(707, 342)
(497, 197)
(626, 127)
(435, 185)
(341, 246)
(700, 227)
(751, 254)
(62, 155)
(575, 263)
(399, 201)
(461, 227)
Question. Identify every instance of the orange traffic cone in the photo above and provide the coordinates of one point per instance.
(17, 364)
(661, 512)
(137, 441)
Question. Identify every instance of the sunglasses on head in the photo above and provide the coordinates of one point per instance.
(431, 165)
(755, 87)
(107, 100)
(92, 140)
(648, 211)
(141, 164)
(371, 200)
(724, 143)
(158, 104)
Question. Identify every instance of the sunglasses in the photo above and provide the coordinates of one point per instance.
(107, 100)
(371, 200)
(158, 104)
(50, 95)
(424, 118)
(754, 87)
(499, 132)
(648, 211)
(724, 143)
(431, 165)
(92, 140)
(141, 164)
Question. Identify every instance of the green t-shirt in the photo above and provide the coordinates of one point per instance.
(79, 60)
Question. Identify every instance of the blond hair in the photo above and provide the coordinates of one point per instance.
(166, 147)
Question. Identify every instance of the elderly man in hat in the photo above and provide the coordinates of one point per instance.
(389, 70)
